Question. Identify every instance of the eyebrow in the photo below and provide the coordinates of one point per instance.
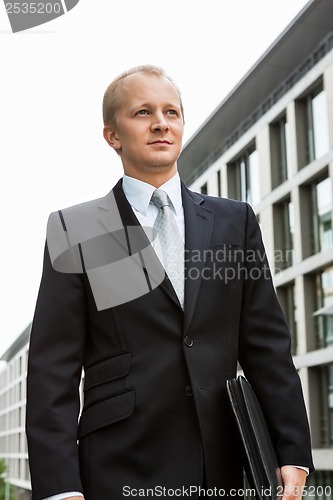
(147, 104)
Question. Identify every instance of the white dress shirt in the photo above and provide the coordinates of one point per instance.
(62, 496)
(138, 194)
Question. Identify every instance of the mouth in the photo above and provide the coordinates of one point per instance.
(161, 142)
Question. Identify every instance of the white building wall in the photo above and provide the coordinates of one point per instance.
(13, 447)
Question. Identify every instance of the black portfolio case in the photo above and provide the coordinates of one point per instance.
(261, 464)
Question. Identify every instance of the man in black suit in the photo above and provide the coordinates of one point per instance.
(156, 347)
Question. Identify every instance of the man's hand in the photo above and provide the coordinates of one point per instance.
(293, 481)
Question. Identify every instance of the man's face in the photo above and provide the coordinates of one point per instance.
(149, 126)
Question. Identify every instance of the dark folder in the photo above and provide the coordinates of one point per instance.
(261, 466)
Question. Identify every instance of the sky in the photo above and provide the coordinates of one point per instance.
(52, 81)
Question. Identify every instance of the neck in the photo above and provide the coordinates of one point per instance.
(154, 178)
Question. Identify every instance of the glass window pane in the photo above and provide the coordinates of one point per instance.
(325, 298)
(324, 213)
(330, 401)
(254, 178)
(320, 125)
(290, 234)
(247, 177)
(204, 188)
(327, 286)
(243, 181)
(288, 150)
(283, 235)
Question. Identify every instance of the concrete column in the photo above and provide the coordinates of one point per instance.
(328, 85)
(292, 139)
(264, 159)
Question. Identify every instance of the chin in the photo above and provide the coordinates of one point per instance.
(161, 166)
(162, 161)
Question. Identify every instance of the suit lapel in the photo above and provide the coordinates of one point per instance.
(198, 230)
(118, 212)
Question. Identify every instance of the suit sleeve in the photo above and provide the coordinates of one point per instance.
(265, 355)
(54, 374)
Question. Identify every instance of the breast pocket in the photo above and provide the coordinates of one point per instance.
(224, 262)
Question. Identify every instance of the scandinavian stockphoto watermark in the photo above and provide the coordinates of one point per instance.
(23, 15)
(120, 261)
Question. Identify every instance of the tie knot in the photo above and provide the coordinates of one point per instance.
(160, 198)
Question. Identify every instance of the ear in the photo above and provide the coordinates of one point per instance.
(111, 137)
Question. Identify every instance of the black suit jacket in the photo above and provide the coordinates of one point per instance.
(155, 405)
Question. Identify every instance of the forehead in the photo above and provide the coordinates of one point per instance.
(145, 88)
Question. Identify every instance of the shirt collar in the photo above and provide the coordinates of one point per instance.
(139, 193)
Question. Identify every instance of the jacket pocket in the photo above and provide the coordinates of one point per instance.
(224, 252)
(106, 412)
(105, 378)
(107, 370)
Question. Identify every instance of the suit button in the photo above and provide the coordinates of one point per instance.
(188, 342)
(188, 391)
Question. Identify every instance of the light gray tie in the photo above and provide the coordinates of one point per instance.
(169, 245)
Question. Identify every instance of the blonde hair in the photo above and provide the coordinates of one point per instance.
(112, 97)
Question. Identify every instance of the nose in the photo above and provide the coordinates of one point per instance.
(160, 124)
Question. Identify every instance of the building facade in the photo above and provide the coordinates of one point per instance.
(270, 143)
(13, 446)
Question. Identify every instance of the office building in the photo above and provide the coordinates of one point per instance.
(270, 143)
(13, 446)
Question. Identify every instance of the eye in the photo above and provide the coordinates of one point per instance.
(143, 112)
(172, 112)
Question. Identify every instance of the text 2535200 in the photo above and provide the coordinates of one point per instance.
(33, 8)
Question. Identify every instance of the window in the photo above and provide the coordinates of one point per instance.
(204, 188)
(319, 485)
(324, 313)
(280, 151)
(283, 215)
(326, 403)
(219, 185)
(329, 375)
(245, 177)
(312, 126)
(316, 216)
(317, 124)
(322, 203)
